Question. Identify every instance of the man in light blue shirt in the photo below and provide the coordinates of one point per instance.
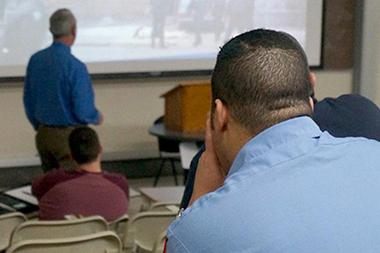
(58, 94)
(270, 180)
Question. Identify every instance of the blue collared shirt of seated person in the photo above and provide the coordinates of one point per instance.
(291, 188)
(348, 115)
(58, 89)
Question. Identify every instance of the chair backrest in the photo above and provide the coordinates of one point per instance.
(58, 229)
(8, 223)
(158, 246)
(148, 226)
(120, 227)
(164, 206)
(102, 242)
(136, 205)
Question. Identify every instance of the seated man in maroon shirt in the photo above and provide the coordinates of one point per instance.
(85, 191)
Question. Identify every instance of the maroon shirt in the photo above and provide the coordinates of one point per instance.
(61, 193)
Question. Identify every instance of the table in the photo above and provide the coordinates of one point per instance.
(171, 194)
(24, 193)
(188, 148)
(159, 130)
(21, 200)
(133, 193)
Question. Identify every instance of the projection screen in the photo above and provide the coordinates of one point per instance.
(152, 36)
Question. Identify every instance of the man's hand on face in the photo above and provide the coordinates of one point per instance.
(209, 175)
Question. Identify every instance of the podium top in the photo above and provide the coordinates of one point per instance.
(189, 85)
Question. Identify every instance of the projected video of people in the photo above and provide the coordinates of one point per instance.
(140, 30)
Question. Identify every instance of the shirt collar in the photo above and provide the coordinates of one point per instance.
(88, 172)
(272, 137)
(61, 45)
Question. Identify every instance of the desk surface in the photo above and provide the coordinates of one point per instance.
(133, 193)
(159, 130)
(24, 193)
(172, 194)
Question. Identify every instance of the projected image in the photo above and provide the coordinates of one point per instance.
(131, 33)
(22, 29)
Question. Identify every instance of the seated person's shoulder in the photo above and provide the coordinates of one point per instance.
(118, 179)
(44, 183)
(349, 115)
(55, 174)
(195, 222)
(114, 176)
(205, 208)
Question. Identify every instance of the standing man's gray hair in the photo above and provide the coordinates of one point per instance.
(62, 22)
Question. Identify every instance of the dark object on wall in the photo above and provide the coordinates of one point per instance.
(339, 34)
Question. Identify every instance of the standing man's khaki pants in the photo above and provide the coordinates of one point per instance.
(53, 147)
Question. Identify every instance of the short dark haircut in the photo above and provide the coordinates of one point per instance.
(84, 145)
(262, 76)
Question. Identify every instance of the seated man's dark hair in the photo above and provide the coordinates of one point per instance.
(262, 76)
(84, 145)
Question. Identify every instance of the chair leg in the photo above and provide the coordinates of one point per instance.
(174, 171)
(159, 172)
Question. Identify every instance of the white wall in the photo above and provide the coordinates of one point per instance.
(333, 83)
(129, 107)
(370, 51)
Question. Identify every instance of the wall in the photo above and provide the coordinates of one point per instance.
(129, 107)
(370, 51)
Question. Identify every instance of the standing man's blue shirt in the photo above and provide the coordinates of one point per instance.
(291, 189)
(58, 89)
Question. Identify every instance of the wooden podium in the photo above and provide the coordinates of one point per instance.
(186, 107)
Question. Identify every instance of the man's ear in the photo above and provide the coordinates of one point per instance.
(312, 81)
(221, 115)
(311, 103)
(74, 31)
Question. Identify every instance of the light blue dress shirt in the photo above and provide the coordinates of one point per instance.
(58, 89)
(292, 188)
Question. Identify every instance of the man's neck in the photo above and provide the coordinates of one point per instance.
(93, 167)
(67, 40)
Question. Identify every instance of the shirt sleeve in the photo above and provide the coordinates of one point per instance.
(28, 99)
(120, 181)
(43, 184)
(174, 245)
(83, 96)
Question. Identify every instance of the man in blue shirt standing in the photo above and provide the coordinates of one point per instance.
(270, 180)
(58, 94)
